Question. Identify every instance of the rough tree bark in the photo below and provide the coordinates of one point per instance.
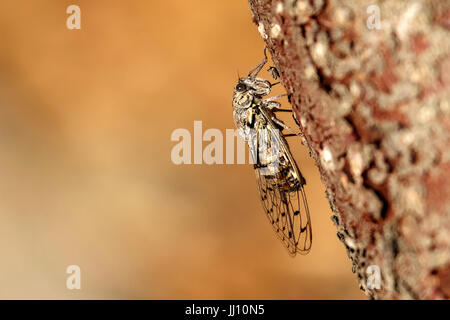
(374, 108)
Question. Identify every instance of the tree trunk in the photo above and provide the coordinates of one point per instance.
(372, 101)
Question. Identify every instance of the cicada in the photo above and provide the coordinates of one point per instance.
(280, 182)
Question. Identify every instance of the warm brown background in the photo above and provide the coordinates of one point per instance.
(85, 171)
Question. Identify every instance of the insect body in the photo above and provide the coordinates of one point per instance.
(280, 182)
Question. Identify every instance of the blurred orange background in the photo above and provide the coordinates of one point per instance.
(86, 176)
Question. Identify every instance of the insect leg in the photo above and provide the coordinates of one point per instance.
(275, 97)
(272, 104)
(275, 107)
(274, 72)
(282, 110)
(295, 119)
(259, 66)
(283, 125)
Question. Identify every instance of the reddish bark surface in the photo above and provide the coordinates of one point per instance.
(374, 108)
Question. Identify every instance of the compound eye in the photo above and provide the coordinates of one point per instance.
(241, 87)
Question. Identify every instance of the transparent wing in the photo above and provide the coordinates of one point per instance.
(281, 190)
